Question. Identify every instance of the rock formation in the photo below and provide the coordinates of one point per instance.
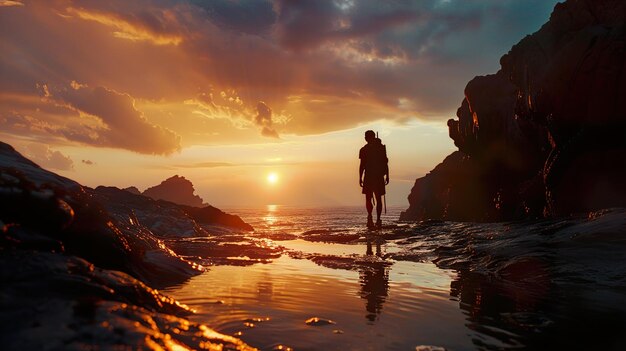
(165, 219)
(175, 189)
(132, 190)
(74, 264)
(546, 134)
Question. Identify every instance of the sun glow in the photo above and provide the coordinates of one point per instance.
(272, 178)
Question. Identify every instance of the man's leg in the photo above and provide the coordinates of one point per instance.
(369, 206)
(379, 209)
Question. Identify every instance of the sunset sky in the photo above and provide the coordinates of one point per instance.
(225, 92)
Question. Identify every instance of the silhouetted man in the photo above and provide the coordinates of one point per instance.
(373, 175)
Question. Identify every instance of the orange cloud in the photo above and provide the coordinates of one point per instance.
(123, 125)
(125, 29)
(7, 3)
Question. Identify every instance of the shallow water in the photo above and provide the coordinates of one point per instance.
(381, 290)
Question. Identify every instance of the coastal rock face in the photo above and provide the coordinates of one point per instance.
(73, 268)
(175, 189)
(545, 135)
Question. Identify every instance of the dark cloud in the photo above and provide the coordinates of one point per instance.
(264, 120)
(381, 29)
(252, 17)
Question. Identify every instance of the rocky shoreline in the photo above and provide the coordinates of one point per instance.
(78, 263)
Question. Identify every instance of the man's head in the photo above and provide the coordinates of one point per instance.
(370, 136)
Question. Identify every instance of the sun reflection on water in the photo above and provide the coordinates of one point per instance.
(270, 218)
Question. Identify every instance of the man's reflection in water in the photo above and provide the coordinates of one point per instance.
(374, 279)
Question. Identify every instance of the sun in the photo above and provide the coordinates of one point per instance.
(272, 178)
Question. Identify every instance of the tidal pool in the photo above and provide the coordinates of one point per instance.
(542, 284)
(395, 307)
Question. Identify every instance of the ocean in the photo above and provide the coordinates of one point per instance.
(457, 286)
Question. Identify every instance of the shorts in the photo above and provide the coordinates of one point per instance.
(376, 186)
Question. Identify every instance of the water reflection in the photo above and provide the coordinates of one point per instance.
(270, 217)
(374, 280)
(265, 288)
(539, 314)
(290, 290)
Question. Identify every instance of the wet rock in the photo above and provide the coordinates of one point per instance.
(429, 348)
(210, 215)
(16, 236)
(330, 236)
(350, 262)
(320, 231)
(237, 250)
(53, 301)
(37, 207)
(317, 322)
(278, 236)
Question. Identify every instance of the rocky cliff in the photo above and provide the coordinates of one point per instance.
(74, 264)
(175, 189)
(546, 134)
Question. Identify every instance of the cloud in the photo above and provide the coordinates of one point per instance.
(264, 120)
(48, 158)
(186, 72)
(127, 30)
(7, 3)
(251, 17)
(123, 125)
(204, 165)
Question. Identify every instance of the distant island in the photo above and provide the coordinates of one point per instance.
(175, 189)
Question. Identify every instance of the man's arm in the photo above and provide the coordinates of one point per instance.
(361, 170)
(386, 167)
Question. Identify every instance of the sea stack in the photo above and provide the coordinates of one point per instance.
(175, 189)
